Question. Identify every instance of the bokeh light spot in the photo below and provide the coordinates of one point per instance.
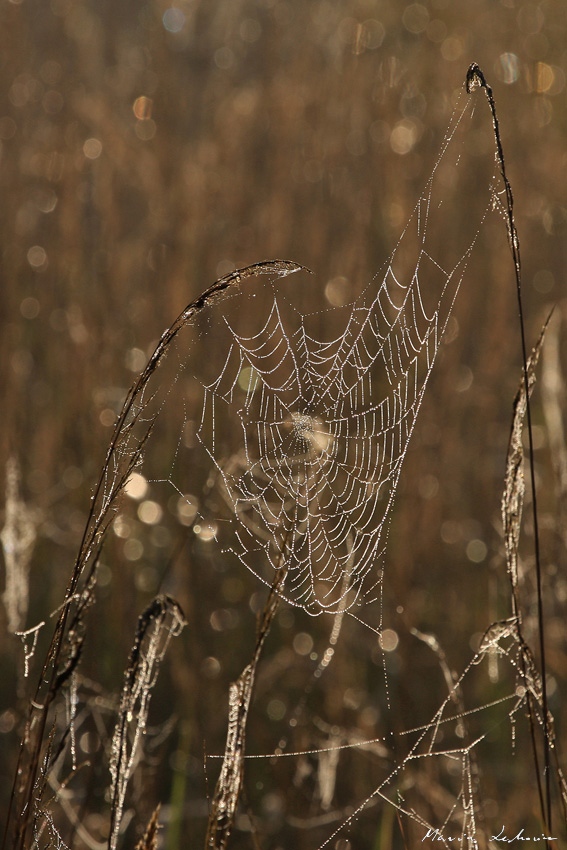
(135, 359)
(303, 643)
(403, 137)
(210, 667)
(145, 130)
(173, 20)
(415, 18)
(186, 509)
(452, 48)
(549, 79)
(142, 108)
(136, 486)
(107, 417)
(29, 308)
(337, 291)
(37, 258)
(248, 379)
(150, 512)
(92, 148)
(508, 68)
(476, 551)
(276, 709)
(206, 532)
(133, 549)
(389, 640)
(250, 30)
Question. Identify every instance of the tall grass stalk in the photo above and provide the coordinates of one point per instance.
(475, 78)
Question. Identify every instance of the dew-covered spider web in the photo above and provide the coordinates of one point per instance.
(305, 416)
(324, 427)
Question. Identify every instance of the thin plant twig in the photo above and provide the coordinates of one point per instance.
(229, 784)
(475, 79)
(162, 620)
(121, 459)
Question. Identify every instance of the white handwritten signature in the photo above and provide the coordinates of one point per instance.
(436, 835)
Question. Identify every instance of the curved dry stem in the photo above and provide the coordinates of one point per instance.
(124, 453)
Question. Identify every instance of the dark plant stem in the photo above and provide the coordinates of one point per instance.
(54, 673)
(229, 787)
(476, 78)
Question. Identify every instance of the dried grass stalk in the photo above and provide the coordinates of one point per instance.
(229, 784)
(17, 538)
(554, 393)
(161, 621)
(149, 840)
(514, 481)
(124, 454)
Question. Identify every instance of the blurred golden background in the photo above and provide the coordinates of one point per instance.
(146, 150)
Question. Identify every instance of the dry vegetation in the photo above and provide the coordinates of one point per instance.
(146, 151)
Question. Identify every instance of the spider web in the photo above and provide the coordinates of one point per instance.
(321, 424)
(305, 416)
